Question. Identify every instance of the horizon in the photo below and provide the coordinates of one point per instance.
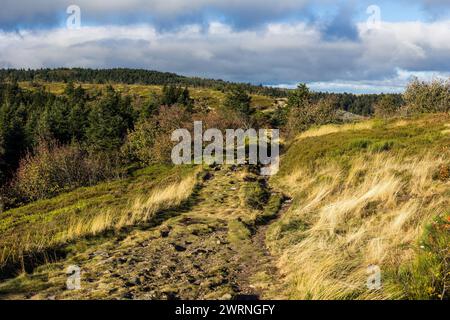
(344, 46)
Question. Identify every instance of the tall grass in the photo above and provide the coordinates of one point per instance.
(348, 215)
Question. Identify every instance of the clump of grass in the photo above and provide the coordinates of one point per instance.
(382, 146)
(256, 194)
(237, 232)
(429, 275)
(271, 208)
(142, 209)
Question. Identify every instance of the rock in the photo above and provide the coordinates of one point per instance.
(122, 260)
(207, 176)
(164, 232)
(128, 295)
(135, 281)
(171, 295)
(179, 247)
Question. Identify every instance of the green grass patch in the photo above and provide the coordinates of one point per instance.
(238, 232)
(429, 276)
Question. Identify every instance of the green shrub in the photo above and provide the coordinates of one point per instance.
(150, 142)
(423, 97)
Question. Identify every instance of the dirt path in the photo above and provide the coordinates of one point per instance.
(258, 277)
(214, 250)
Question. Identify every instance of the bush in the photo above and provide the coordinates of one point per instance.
(324, 111)
(386, 107)
(54, 168)
(424, 97)
(150, 142)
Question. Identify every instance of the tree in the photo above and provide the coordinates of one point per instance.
(299, 97)
(238, 99)
(13, 140)
(434, 96)
(386, 107)
(152, 107)
(109, 120)
(172, 95)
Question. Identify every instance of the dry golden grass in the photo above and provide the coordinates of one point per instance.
(142, 209)
(370, 214)
(334, 128)
(446, 131)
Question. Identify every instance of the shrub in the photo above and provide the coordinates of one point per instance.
(386, 107)
(324, 111)
(54, 168)
(424, 97)
(150, 142)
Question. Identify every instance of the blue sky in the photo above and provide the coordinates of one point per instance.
(328, 44)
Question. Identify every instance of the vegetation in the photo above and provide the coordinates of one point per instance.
(86, 179)
(361, 196)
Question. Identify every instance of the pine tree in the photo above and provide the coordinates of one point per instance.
(238, 99)
(109, 120)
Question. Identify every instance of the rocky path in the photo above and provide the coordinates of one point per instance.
(213, 250)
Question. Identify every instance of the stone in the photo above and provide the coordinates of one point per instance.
(179, 247)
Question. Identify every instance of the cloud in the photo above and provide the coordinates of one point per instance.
(342, 25)
(277, 53)
(162, 13)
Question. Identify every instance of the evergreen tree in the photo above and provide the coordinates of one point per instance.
(151, 109)
(238, 99)
(109, 120)
(299, 97)
(12, 137)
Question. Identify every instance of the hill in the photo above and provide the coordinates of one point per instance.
(346, 197)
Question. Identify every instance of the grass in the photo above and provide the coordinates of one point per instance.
(32, 229)
(237, 232)
(361, 197)
(429, 275)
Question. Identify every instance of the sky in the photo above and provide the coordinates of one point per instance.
(339, 46)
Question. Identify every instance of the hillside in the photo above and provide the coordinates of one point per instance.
(346, 197)
(204, 97)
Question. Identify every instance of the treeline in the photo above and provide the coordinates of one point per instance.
(359, 104)
(305, 109)
(127, 76)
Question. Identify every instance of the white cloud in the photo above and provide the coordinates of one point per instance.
(276, 53)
